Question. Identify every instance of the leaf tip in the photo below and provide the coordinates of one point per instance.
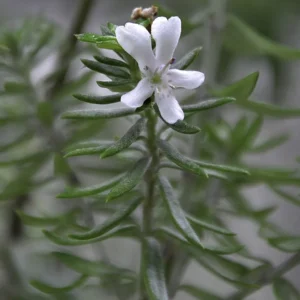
(76, 96)
(104, 154)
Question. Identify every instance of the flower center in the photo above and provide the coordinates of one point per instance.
(157, 77)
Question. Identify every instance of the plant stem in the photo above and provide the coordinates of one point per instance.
(68, 46)
(151, 173)
(150, 178)
(213, 40)
(265, 279)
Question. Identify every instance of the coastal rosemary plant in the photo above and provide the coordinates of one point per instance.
(174, 176)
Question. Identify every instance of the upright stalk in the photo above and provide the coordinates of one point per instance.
(213, 40)
(68, 47)
(150, 178)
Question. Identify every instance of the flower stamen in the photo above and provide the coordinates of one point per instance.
(170, 62)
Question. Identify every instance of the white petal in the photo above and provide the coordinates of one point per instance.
(136, 41)
(168, 106)
(139, 94)
(166, 34)
(185, 79)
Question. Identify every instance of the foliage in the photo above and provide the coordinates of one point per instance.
(176, 217)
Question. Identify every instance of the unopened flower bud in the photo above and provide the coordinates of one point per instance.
(136, 13)
(146, 13)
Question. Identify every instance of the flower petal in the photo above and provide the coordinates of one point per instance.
(166, 34)
(136, 41)
(185, 79)
(139, 94)
(168, 106)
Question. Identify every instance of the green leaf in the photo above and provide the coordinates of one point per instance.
(130, 179)
(87, 267)
(223, 268)
(270, 109)
(44, 39)
(15, 118)
(124, 142)
(219, 250)
(242, 136)
(207, 104)
(270, 230)
(88, 191)
(269, 144)
(286, 243)
(187, 60)
(87, 148)
(153, 271)
(12, 87)
(210, 173)
(250, 135)
(284, 290)
(106, 31)
(47, 221)
(252, 42)
(112, 27)
(273, 176)
(22, 138)
(90, 114)
(209, 226)
(93, 38)
(110, 223)
(183, 127)
(10, 43)
(87, 144)
(223, 168)
(110, 45)
(45, 112)
(259, 272)
(176, 157)
(286, 196)
(120, 231)
(48, 289)
(98, 99)
(105, 69)
(179, 126)
(23, 182)
(61, 166)
(71, 86)
(30, 158)
(176, 213)
(118, 85)
(240, 90)
(198, 293)
(102, 41)
(111, 61)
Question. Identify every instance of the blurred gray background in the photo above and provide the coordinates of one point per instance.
(285, 29)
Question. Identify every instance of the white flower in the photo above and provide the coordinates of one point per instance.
(157, 77)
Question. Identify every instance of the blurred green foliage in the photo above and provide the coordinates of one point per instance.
(192, 203)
